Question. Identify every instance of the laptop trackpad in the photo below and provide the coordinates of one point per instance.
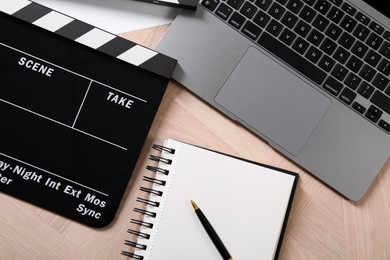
(273, 101)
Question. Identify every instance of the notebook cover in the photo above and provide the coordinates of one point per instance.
(76, 105)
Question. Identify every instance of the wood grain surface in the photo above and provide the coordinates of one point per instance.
(322, 225)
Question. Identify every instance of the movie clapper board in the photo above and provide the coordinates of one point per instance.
(76, 105)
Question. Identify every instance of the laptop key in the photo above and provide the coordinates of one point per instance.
(339, 72)
(237, 20)
(302, 28)
(349, 9)
(320, 22)
(295, 6)
(307, 14)
(210, 4)
(367, 72)
(341, 55)
(388, 91)
(348, 23)
(358, 107)
(261, 18)
(333, 32)
(373, 113)
(386, 35)
(292, 58)
(287, 36)
(380, 81)
(376, 28)
(322, 6)
(363, 18)
(359, 49)
(276, 10)
(374, 118)
(328, 46)
(224, 11)
(326, 63)
(365, 90)
(236, 4)
(335, 14)
(274, 28)
(248, 10)
(300, 45)
(384, 125)
(251, 30)
(347, 96)
(352, 81)
(372, 58)
(336, 2)
(385, 49)
(263, 4)
(346, 40)
(381, 100)
(313, 54)
(289, 19)
(315, 37)
(333, 86)
(374, 41)
(354, 64)
(384, 67)
(361, 32)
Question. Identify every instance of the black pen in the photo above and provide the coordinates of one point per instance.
(211, 232)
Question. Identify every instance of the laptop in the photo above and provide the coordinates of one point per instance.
(310, 77)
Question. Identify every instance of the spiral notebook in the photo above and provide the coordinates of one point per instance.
(247, 203)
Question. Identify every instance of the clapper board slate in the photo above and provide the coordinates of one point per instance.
(76, 105)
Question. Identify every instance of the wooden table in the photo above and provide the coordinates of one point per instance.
(322, 225)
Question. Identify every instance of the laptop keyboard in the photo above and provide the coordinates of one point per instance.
(331, 42)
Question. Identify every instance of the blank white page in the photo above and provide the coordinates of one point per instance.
(246, 204)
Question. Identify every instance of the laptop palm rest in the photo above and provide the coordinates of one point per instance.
(272, 101)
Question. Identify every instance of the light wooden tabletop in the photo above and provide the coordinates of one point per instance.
(322, 224)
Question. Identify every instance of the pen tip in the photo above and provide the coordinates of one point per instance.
(194, 205)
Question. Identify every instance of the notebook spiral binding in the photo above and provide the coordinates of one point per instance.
(150, 203)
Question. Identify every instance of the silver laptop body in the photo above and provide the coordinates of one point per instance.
(314, 123)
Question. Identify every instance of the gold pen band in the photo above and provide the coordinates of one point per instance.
(195, 206)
